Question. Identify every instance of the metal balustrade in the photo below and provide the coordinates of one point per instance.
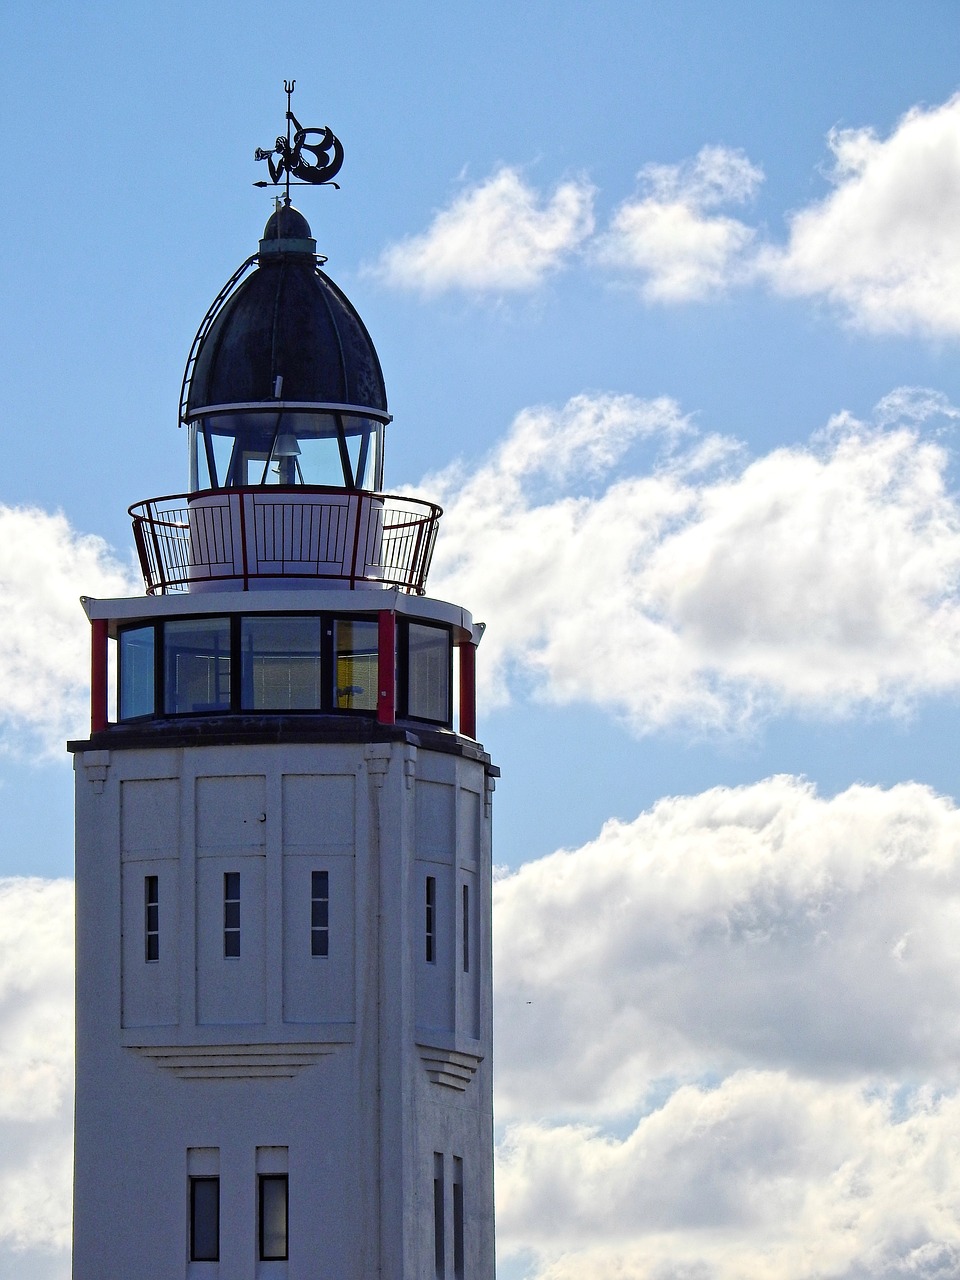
(219, 539)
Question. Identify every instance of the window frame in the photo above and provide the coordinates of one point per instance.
(195, 1181)
(403, 670)
(262, 1180)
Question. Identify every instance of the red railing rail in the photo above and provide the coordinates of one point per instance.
(224, 537)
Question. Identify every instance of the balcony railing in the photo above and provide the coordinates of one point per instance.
(255, 538)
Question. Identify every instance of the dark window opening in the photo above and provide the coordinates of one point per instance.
(466, 928)
(439, 1247)
(204, 1219)
(431, 920)
(458, 1218)
(231, 914)
(274, 1212)
(151, 918)
(319, 913)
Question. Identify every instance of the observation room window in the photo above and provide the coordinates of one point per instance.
(137, 672)
(355, 646)
(280, 664)
(428, 669)
(196, 655)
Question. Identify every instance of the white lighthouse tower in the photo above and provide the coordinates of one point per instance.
(283, 840)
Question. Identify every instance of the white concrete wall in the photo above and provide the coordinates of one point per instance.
(348, 1072)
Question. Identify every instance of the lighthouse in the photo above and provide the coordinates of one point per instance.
(283, 863)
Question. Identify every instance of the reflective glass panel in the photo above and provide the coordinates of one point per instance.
(137, 673)
(428, 673)
(273, 1217)
(355, 645)
(280, 664)
(204, 1219)
(196, 655)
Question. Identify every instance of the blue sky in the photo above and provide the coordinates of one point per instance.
(668, 303)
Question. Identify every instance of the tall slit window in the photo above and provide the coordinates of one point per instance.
(204, 1219)
(466, 928)
(319, 913)
(430, 920)
(231, 914)
(151, 918)
(439, 1244)
(458, 1217)
(274, 1204)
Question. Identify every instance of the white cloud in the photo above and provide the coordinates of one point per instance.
(670, 235)
(883, 244)
(36, 1075)
(762, 1178)
(45, 566)
(820, 577)
(498, 236)
(757, 926)
(727, 1043)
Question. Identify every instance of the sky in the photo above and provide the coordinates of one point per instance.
(667, 299)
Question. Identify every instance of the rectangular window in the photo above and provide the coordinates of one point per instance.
(231, 914)
(458, 1218)
(319, 913)
(280, 664)
(204, 1219)
(273, 1217)
(429, 667)
(430, 931)
(466, 928)
(439, 1247)
(196, 665)
(355, 663)
(151, 918)
(137, 672)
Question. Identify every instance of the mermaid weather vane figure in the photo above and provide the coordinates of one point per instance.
(313, 163)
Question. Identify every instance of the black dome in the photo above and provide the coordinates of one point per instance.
(287, 320)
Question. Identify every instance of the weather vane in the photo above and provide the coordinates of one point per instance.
(326, 153)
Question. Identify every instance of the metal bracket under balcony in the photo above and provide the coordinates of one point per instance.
(263, 537)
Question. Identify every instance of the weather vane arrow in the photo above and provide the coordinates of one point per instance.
(294, 153)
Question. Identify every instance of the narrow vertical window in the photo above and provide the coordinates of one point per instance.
(458, 1218)
(204, 1219)
(151, 918)
(319, 913)
(430, 932)
(438, 1215)
(466, 928)
(231, 914)
(274, 1206)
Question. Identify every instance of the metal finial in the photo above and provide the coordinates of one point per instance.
(327, 154)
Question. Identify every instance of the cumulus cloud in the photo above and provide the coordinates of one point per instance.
(498, 236)
(761, 1178)
(727, 1041)
(671, 234)
(712, 587)
(45, 566)
(36, 1074)
(760, 926)
(883, 244)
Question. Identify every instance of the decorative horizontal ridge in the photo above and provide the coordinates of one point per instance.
(236, 1061)
(448, 1067)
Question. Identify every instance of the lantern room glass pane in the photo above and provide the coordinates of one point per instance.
(280, 664)
(137, 673)
(429, 665)
(196, 656)
(355, 646)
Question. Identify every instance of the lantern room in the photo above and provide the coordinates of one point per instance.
(285, 410)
